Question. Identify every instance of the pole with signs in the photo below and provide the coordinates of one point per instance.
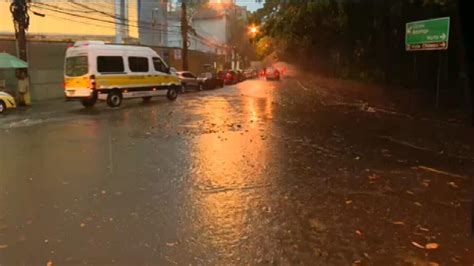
(428, 35)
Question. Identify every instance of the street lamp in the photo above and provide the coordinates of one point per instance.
(253, 29)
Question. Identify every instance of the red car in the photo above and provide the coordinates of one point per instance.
(229, 76)
(272, 73)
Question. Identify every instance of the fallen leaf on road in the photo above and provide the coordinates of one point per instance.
(432, 263)
(373, 177)
(453, 184)
(82, 225)
(398, 223)
(359, 233)
(170, 244)
(3, 246)
(423, 229)
(432, 246)
(418, 204)
(409, 192)
(370, 109)
(425, 183)
(357, 262)
(49, 263)
(317, 224)
(417, 245)
(456, 259)
(348, 201)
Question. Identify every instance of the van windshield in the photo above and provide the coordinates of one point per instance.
(76, 66)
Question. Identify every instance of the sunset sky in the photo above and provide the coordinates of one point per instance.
(67, 24)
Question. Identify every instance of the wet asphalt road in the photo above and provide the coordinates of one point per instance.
(258, 173)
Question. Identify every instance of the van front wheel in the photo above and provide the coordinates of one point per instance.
(114, 99)
(172, 94)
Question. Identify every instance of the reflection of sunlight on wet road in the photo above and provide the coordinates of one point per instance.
(228, 180)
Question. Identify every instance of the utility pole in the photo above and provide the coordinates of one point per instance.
(184, 34)
(121, 18)
(21, 22)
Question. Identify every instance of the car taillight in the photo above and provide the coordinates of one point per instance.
(92, 82)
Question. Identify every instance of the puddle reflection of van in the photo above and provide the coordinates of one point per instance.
(95, 71)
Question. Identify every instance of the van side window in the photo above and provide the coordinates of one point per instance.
(159, 65)
(110, 64)
(138, 64)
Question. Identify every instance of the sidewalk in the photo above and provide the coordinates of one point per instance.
(40, 110)
(397, 116)
(406, 102)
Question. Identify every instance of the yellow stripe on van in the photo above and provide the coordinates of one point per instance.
(123, 81)
(76, 83)
(134, 80)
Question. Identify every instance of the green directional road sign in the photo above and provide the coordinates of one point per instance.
(431, 34)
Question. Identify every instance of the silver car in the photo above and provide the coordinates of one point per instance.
(190, 81)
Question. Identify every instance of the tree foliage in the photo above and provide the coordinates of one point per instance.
(350, 38)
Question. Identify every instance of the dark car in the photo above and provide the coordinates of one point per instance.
(228, 76)
(240, 75)
(211, 81)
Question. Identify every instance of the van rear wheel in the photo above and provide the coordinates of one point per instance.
(114, 99)
(90, 102)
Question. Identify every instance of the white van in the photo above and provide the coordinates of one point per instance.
(95, 71)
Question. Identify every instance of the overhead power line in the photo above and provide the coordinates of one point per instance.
(79, 22)
(97, 19)
(90, 9)
(204, 40)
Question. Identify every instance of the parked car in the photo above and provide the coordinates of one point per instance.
(173, 71)
(272, 73)
(240, 75)
(6, 102)
(228, 76)
(211, 81)
(250, 73)
(190, 81)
